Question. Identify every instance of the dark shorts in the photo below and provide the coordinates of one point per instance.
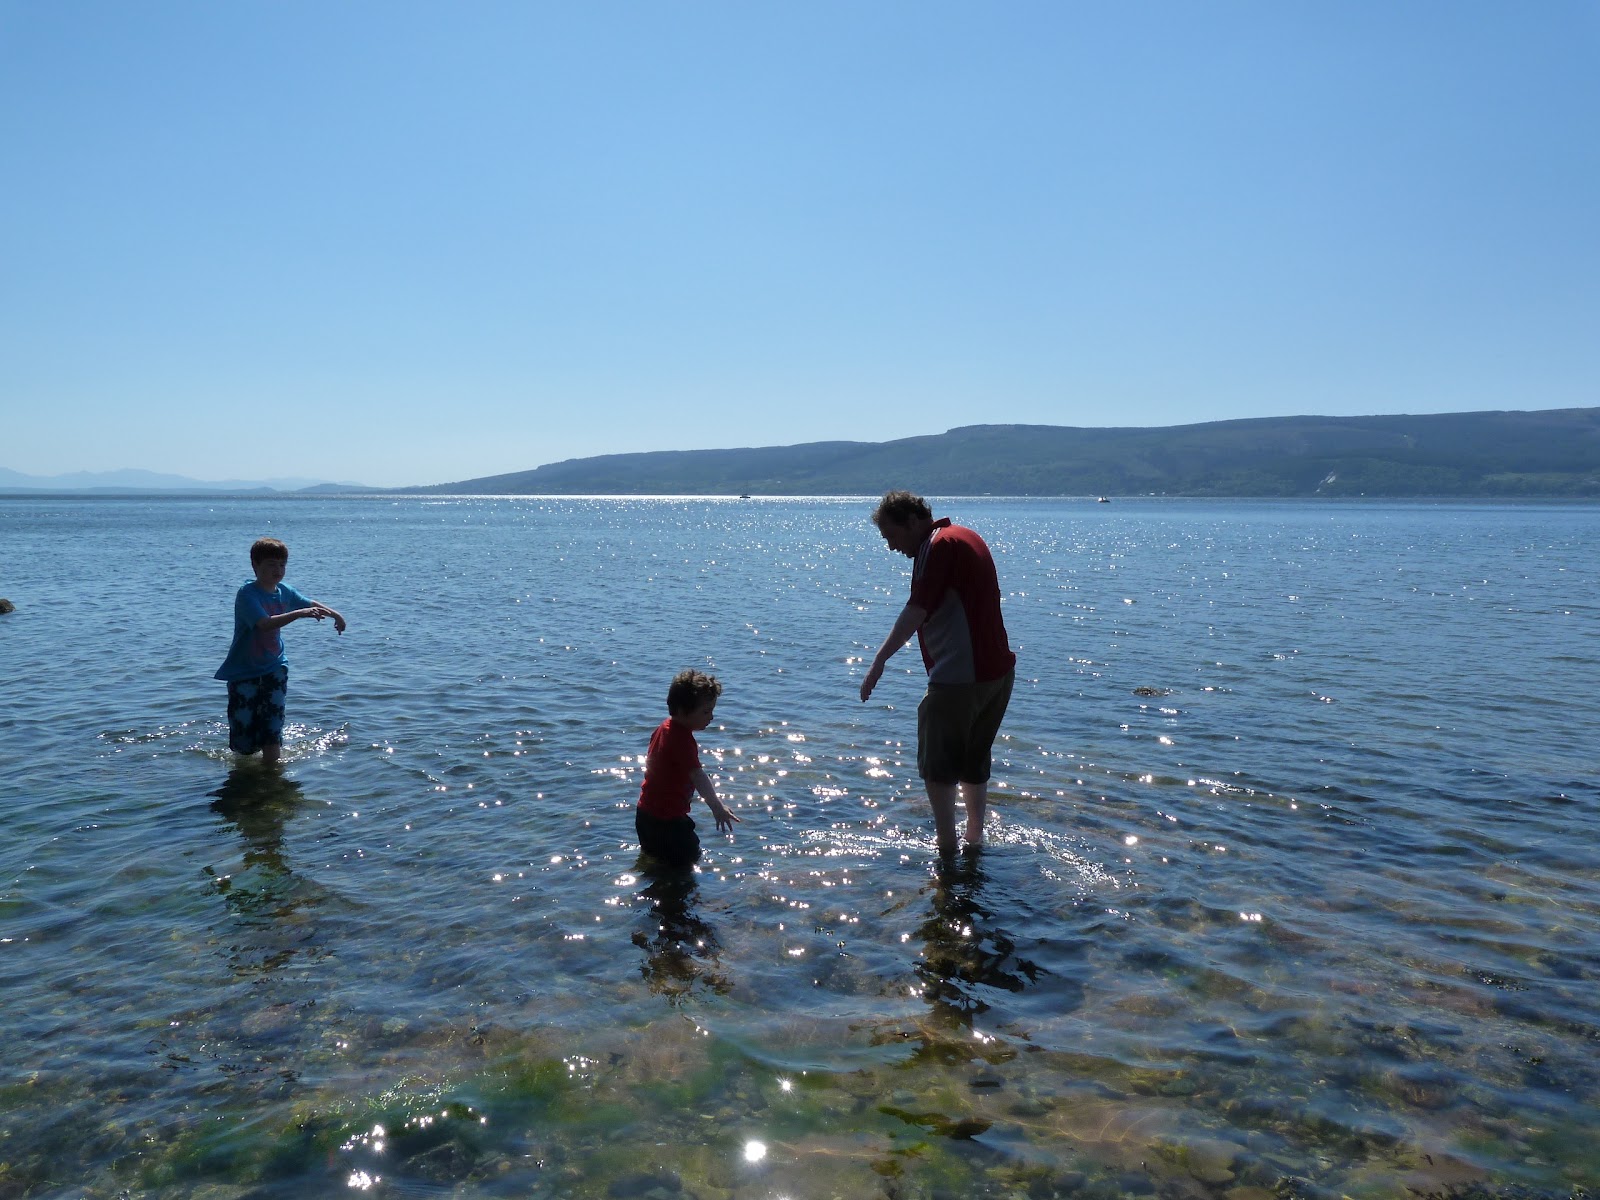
(255, 711)
(956, 727)
(672, 841)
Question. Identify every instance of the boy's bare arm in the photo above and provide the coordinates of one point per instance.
(316, 611)
(323, 610)
(723, 814)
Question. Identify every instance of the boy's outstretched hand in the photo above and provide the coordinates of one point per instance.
(322, 610)
(724, 816)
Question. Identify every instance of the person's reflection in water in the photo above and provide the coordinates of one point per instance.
(680, 949)
(264, 893)
(965, 953)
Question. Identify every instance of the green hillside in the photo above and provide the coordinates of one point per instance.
(1549, 453)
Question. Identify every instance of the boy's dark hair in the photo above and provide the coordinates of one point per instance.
(690, 689)
(902, 508)
(268, 548)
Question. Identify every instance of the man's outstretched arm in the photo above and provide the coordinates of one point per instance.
(908, 622)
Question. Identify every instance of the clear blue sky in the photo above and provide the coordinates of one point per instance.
(401, 243)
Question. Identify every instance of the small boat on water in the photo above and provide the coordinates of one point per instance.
(1102, 500)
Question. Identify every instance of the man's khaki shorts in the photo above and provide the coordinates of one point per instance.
(956, 728)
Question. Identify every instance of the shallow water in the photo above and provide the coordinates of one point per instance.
(1293, 883)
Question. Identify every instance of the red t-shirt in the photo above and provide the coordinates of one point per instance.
(963, 639)
(674, 756)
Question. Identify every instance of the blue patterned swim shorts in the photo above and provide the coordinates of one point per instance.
(255, 711)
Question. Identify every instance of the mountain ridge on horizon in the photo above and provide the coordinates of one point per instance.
(1532, 453)
(134, 479)
(1549, 452)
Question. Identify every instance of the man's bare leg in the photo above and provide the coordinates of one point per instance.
(269, 753)
(942, 798)
(976, 797)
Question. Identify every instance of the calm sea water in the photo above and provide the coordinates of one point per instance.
(1293, 886)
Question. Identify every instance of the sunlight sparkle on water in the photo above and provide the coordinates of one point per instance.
(838, 842)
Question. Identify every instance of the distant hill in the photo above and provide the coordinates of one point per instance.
(1550, 453)
(135, 481)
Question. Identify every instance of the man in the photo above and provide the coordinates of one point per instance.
(954, 610)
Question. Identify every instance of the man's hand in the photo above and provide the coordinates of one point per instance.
(908, 622)
(874, 673)
(724, 817)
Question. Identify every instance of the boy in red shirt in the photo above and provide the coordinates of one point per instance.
(672, 774)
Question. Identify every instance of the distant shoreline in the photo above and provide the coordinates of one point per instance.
(1550, 454)
(124, 494)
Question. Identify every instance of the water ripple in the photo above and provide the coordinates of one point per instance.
(1283, 883)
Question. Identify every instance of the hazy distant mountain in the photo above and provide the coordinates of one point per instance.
(149, 481)
(1555, 452)
(1550, 453)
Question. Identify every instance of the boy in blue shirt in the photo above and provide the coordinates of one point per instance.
(256, 669)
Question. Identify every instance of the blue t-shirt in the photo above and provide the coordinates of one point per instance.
(257, 651)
